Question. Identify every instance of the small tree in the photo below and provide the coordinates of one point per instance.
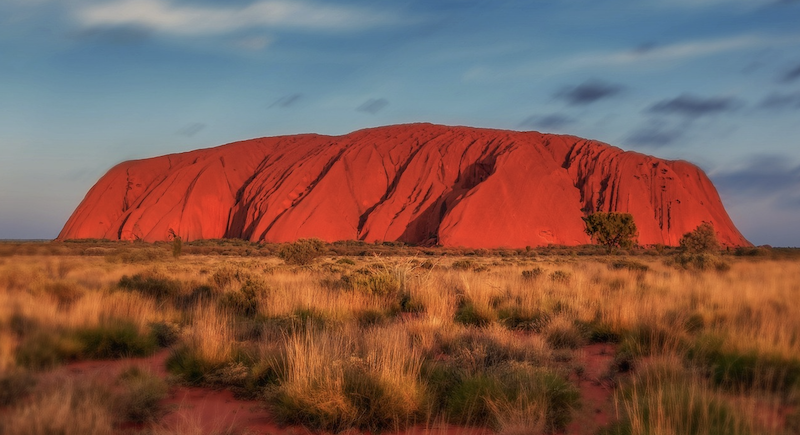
(302, 252)
(700, 240)
(613, 230)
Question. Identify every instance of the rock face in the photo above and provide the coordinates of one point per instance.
(418, 183)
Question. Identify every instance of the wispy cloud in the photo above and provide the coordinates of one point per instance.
(739, 4)
(789, 100)
(762, 175)
(649, 55)
(181, 19)
(553, 121)
(656, 134)
(791, 75)
(693, 106)
(286, 101)
(588, 92)
(373, 106)
(652, 52)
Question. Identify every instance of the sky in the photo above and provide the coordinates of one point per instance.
(86, 84)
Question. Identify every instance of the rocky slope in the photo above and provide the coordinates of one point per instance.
(418, 183)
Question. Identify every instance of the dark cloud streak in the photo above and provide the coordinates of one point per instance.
(189, 130)
(693, 106)
(286, 101)
(764, 175)
(791, 75)
(588, 92)
(779, 101)
(373, 106)
(552, 121)
(656, 135)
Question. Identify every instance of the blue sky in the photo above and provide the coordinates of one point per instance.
(85, 84)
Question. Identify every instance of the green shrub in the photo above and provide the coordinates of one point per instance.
(200, 293)
(380, 282)
(702, 239)
(64, 292)
(408, 304)
(517, 317)
(468, 401)
(532, 274)
(669, 400)
(612, 230)
(564, 337)
(115, 339)
(189, 366)
(228, 274)
(470, 314)
(245, 301)
(633, 266)
(463, 265)
(477, 349)
(15, 385)
(165, 334)
(560, 276)
(482, 398)
(42, 350)
(738, 371)
(302, 252)
(701, 261)
(152, 284)
(64, 408)
(597, 331)
(370, 316)
(363, 401)
(140, 397)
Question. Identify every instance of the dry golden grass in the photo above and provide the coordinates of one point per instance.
(323, 343)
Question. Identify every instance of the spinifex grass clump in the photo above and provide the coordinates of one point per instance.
(209, 345)
(749, 370)
(337, 379)
(140, 395)
(152, 284)
(664, 398)
(66, 408)
(113, 338)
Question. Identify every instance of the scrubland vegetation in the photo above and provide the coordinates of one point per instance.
(380, 338)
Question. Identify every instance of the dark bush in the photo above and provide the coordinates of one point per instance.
(245, 301)
(633, 266)
(516, 317)
(702, 239)
(463, 265)
(141, 395)
(152, 284)
(15, 385)
(165, 334)
(469, 314)
(532, 274)
(42, 350)
(302, 252)
(115, 339)
(560, 276)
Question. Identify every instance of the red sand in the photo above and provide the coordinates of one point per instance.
(417, 183)
(596, 409)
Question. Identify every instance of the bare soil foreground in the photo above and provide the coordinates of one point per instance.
(227, 338)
